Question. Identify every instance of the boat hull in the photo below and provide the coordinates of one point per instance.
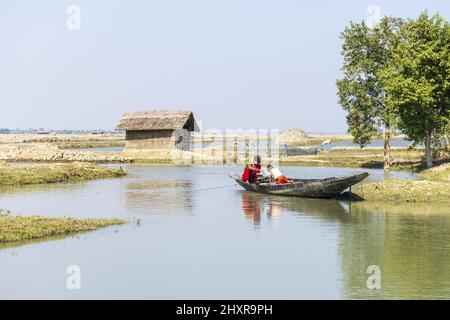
(305, 188)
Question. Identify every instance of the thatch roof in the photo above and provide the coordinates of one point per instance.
(158, 120)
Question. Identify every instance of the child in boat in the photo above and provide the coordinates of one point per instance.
(276, 175)
(252, 170)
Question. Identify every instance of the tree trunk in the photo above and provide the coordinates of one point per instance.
(387, 149)
(428, 155)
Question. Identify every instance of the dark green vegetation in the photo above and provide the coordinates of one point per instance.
(366, 52)
(37, 174)
(397, 77)
(18, 228)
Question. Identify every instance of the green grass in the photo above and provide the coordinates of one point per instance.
(40, 174)
(439, 173)
(434, 187)
(404, 190)
(18, 228)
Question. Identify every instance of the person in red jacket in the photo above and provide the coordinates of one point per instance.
(252, 170)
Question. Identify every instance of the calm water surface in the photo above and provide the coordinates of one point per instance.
(194, 234)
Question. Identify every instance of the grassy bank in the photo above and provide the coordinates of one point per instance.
(435, 187)
(18, 228)
(402, 158)
(90, 145)
(440, 173)
(38, 174)
(404, 190)
(358, 158)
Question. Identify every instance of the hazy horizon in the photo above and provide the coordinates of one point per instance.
(253, 64)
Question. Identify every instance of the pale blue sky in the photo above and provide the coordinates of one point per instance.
(235, 63)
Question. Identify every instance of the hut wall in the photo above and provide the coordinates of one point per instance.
(154, 139)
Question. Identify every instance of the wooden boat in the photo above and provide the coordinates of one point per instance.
(305, 188)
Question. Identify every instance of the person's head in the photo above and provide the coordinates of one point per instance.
(257, 160)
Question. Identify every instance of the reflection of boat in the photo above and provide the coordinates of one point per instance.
(305, 188)
(256, 206)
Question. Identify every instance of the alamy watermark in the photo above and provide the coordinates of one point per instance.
(374, 280)
(374, 12)
(73, 21)
(73, 281)
(230, 146)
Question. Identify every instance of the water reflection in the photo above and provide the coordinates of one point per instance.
(410, 244)
(255, 206)
(323, 246)
(252, 207)
(160, 197)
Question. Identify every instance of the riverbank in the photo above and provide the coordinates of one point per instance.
(18, 228)
(59, 138)
(435, 187)
(373, 158)
(59, 148)
(90, 145)
(402, 158)
(50, 173)
(45, 152)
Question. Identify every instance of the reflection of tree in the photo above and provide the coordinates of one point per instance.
(410, 244)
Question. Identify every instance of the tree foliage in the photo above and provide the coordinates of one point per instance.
(418, 78)
(397, 75)
(367, 51)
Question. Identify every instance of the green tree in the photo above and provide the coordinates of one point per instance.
(367, 52)
(418, 79)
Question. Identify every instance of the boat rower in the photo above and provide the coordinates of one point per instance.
(252, 170)
(276, 175)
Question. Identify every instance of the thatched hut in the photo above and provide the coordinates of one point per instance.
(158, 129)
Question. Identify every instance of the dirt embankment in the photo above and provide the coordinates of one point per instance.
(59, 138)
(294, 137)
(44, 152)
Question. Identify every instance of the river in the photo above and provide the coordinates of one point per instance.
(193, 234)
